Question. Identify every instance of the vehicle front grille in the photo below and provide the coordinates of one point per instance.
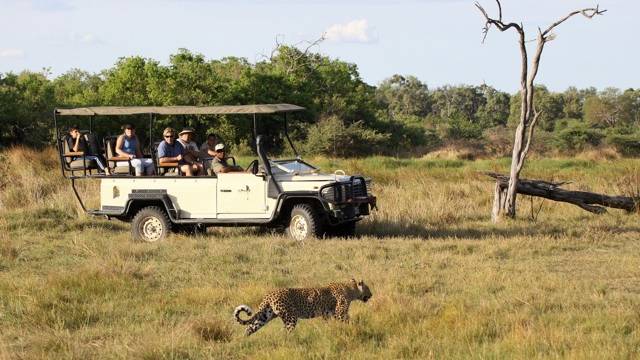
(359, 188)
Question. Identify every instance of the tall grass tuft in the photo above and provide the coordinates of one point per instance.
(213, 330)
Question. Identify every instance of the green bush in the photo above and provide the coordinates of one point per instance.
(462, 129)
(625, 144)
(331, 136)
(574, 135)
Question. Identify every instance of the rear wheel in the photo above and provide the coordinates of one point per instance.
(305, 223)
(151, 224)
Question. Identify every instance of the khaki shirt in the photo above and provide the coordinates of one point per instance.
(217, 165)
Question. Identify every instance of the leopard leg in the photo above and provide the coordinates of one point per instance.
(263, 317)
(342, 311)
(289, 321)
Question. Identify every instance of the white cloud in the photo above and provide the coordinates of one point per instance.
(7, 53)
(353, 31)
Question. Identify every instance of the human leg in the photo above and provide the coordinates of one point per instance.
(186, 170)
(137, 165)
(149, 169)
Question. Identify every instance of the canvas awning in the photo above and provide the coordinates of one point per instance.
(181, 110)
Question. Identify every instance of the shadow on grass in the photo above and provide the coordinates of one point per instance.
(386, 229)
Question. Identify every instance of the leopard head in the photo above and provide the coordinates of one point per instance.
(363, 291)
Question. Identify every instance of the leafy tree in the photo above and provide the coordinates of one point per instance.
(495, 108)
(603, 109)
(26, 103)
(459, 102)
(549, 105)
(404, 96)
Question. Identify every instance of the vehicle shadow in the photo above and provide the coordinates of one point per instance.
(386, 229)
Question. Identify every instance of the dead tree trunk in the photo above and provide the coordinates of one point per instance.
(588, 201)
(505, 198)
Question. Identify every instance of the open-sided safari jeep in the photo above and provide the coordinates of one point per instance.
(284, 194)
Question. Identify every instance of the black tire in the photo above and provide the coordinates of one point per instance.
(151, 224)
(305, 223)
(344, 230)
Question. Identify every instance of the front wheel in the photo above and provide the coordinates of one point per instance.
(151, 224)
(305, 223)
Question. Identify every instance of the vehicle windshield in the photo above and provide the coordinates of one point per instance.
(291, 167)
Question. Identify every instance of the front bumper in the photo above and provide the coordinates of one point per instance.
(353, 209)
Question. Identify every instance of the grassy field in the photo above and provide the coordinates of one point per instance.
(446, 283)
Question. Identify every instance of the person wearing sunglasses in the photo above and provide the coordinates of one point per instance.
(171, 151)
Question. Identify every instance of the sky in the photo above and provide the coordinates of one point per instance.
(438, 41)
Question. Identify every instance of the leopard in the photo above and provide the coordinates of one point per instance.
(292, 304)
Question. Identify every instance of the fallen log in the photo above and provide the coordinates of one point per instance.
(588, 201)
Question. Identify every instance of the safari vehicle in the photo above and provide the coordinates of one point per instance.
(289, 194)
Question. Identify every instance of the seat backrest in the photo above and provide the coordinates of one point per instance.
(64, 147)
(110, 146)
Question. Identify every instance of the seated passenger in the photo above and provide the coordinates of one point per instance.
(128, 146)
(171, 151)
(219, 163)
(77, 143)
(191, 153)
(207, 150)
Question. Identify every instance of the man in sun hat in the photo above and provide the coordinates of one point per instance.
(191, 151)
(219, 163)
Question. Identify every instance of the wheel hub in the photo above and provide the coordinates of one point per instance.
(299, 227)
(152, 229)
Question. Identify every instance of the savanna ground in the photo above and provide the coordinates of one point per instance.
(446, 282)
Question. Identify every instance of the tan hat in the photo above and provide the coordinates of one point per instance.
(186, 131)
(219, 147)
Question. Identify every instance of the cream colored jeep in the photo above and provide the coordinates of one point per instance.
(282, 194)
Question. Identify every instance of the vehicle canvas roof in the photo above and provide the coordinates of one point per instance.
(181, 110)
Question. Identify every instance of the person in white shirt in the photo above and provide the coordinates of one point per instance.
(191, 152)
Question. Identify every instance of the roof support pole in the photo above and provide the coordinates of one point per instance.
(91, 124)
(286, 133)
(57, 140)
(150, 130)
(255, 132)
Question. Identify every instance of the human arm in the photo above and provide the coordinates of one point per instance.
(119, 151)
(167, 156)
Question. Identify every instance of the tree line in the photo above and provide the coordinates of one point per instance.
(345, 116)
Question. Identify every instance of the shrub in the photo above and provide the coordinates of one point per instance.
(626, 144)
(462, 129)
(331, 136)
(576, 135)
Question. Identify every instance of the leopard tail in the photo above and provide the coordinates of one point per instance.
(246, 309)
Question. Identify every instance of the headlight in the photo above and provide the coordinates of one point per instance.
(369, 183)
(329, 194)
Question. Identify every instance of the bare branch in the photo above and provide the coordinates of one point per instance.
(497, 23)
(531, 127)
(589, 13)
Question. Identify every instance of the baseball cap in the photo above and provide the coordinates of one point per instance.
(219, 147)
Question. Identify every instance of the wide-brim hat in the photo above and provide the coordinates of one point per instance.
(186, 131)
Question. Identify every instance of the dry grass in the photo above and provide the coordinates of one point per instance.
(446, 283)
